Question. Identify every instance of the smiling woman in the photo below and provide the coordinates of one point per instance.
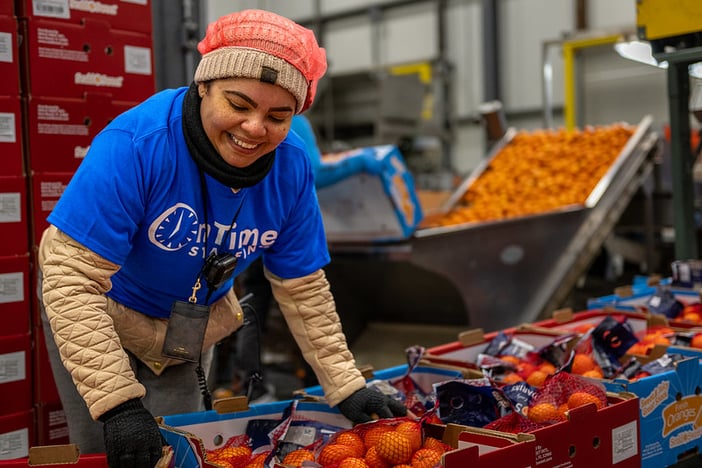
(244, 118)
(187, 190)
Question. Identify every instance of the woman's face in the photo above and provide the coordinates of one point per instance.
(245, 118)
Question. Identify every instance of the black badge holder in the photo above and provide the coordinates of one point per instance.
(186, 328)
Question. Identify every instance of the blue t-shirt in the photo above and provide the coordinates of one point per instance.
(136, 200)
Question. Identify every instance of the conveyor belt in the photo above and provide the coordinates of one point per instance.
(490, 275)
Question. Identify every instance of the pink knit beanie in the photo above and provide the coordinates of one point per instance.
(263, 45)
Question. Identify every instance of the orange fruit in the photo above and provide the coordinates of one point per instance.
(655, 338)
(514, 360)
(413, 431)
(639, 348)
(333, 453)
(582, 398)
(696, 341)
(512, 378)
(353, 462)
(296, 457)
(537, 378)
(353, 440)
(425, 458)
(525, 369)
(258, 460)
(583, 328)
(563, 410)
(394, 447)
(582, 363)
(594, 374)
(370, 438)
(373, 459)
(692, 317)
(544, 412)
(547, 368)
(434, 444)
(231, 455)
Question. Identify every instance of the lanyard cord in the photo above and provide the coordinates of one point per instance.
(199, 371)
(203, 190)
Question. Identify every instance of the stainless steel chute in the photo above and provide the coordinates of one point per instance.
(490, 275)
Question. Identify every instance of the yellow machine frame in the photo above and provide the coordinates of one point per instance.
(657, 19)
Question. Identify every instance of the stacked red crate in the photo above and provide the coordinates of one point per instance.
(16, 405)
(81, 63)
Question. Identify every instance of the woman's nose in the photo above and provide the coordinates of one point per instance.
(254, 126)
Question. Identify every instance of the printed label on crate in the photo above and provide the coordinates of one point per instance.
(10, 207)
(12, 367)
(7, 127)
(137, 60)
(11, 287)
(51, 8)
(14, 444)
(625, 442)
(6, 46)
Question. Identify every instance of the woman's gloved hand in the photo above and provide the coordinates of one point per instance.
(362, 405)
(132, 436)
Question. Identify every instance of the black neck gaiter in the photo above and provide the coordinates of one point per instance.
(206, 156)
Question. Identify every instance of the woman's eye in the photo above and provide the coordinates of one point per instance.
(237, 107)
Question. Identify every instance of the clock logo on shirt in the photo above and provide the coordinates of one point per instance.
(175, 228)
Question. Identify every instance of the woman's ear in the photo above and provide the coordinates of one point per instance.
(201, 90)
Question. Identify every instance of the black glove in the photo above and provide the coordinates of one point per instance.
(361, 405)
(132, 436)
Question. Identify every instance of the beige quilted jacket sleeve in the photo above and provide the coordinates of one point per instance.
(75, 280)
(310, 312)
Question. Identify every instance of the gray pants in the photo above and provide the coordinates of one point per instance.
(175, 391)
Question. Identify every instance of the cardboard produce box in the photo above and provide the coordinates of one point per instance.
(57, 456)
(670, 412)
(589, 438)
(192, 434)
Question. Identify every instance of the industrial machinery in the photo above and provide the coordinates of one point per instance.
(491, 275)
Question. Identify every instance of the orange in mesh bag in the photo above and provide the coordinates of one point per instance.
(563, 392)
(381, 444)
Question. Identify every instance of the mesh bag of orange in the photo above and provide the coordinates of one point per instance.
(561, 393)
(382, 443)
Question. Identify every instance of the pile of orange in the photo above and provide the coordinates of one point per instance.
(381, 446)
(652, 337)
(550, 413)
(537, 172)
(234, 457)
(535, 374)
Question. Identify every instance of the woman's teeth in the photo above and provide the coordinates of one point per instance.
(243, 144)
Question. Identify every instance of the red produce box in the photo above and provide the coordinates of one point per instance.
(67, 60)
(45, 391)
(14, 228)
(591, 437)
(47, 188)
(11, 136)
(52, 428)
(15, 308)
(15, 373)
(16, 436)
(130, 15)
(57, 456)
(9, 53)
(60, 130)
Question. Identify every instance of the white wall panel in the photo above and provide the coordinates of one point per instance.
(463, 51)
(409, 34)
(349, 45)
(608, 14)
(524, 26)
